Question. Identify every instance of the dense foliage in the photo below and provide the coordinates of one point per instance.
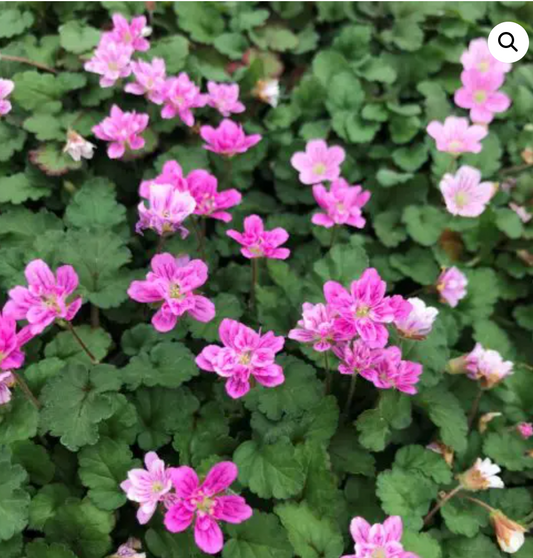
(366, 76)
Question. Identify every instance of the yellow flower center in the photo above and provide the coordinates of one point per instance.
(461, 199)
(362, 311)
(379, 553)
(175, 291)
(319, 168)
(480, 96)
(113, 66)
(483, 66)
(245, 358)
(157, 487)
(205, 505)
(455, 146)
(2, 356)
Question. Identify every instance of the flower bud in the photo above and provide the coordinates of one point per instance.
(457, 365)
(510, 534)
(485, 419)
(481, 476)
(442, 449)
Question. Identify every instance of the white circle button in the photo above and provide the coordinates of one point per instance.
(508, 42)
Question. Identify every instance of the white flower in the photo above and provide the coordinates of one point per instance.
(146, 31)
(487, 366)
(268, 91)
(419, 322)
(510, 534)
(77, 146)
(482, 476)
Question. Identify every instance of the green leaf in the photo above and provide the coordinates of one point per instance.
(459, 547)
(102, 468)
(76, 400)
(417, 263)
(164, 544)
(424, 223)
(18, 188)
(508, 450)
(411, 158)
(14, 501)
(51, 159)
(168, 365)
(35, 460)
(274, 37)
(77, 37)
(227, 306)
(260, 537)
(422, 544)
(83, 527)
(348, 456)
(39, 549)
(310, 536)
(327, 64)
(425, 462)
(202, 21)
(65, 347)
(388, 178)
(174, 51)
(14, 22)
(45, 127)
(389, 228)
(12, 140)
(343, 263)
(270, 471)
(509, 222)
(463, 517)
(345, 94)
(18, 420)
(232, 45)
(45, 504)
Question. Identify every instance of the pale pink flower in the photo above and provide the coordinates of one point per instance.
(342, 204)
(464, 193)
(172, 174)
(357, 357)
(130, 34)
(487, 366)
(245, 353)
(46, 298)
(228, 139)
(391, 372)
(316, 327)
(525, 429)
(148, 486)
(478, 57)
(6, 87)
(258, 243)
(150, 79)
(267, 91)
(129, 549)
(11, 341)
(456, 135)
(480, 94)
(381, 540)
(173, 282)
(225, 98)
(7, 381)
(123, 130)
(166, 211)
(419, 322)
(522, 212)
(509, 533)
(77, 146)
(203, 187)
(451, 286)
(111, 60)
(364, 310)
(319, 162)
(206, 504)
(481, 476)
(180, 95)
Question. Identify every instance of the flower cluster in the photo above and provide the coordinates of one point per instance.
(487, 366)
(187, 500)
(342, 204)
(353, 324)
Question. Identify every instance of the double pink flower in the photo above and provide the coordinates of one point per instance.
(225, 98)
(228, 139)
(173, 282)
(258, 243)
(319, 162)
(150, 79)
(6, 88)
(456, 136)
(180, 96)
(245, 354)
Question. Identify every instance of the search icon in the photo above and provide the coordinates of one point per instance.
(508, 42)
(511, 44)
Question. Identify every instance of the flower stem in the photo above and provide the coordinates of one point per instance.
(95, 316)
(200, 236)
(255, 279)
(351, 391)
(23, 60)
(517, 168)
(94, 360)
(26, 390)
(327, 385)
(228, 171)
(474, 410)
(334, 231)
(160, 244)
(479, 503)
(441, 503)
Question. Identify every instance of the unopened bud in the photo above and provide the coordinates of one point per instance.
(509, 533)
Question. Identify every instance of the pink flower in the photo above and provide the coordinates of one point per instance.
(342, 204)
(319, 162)
(525, 429)
(316, 326)
(522, 212)
(122, 129)
(180, 95)
(456, 136)
(480, 94)
(7, 381)
(167, 210)
(111, 60)
(209, 202)
(258, 243)
(6, 87)
(451, 286)
(390, 371)
(478, 57)
(148, 487)
(357, 358)
(46, 297)
(228, 139)
(11, 341)
(363, 310)
(419, 322)
(245, 353)
(464, 193)
(206, 504)
(487, 366)
(173, 282)
(172, 174)
(131, 34)
(150, 79)
(224, 98)
(381, 540)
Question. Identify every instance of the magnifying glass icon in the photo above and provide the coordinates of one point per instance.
(511, 44)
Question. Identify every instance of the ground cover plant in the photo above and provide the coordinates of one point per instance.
(266, 281)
